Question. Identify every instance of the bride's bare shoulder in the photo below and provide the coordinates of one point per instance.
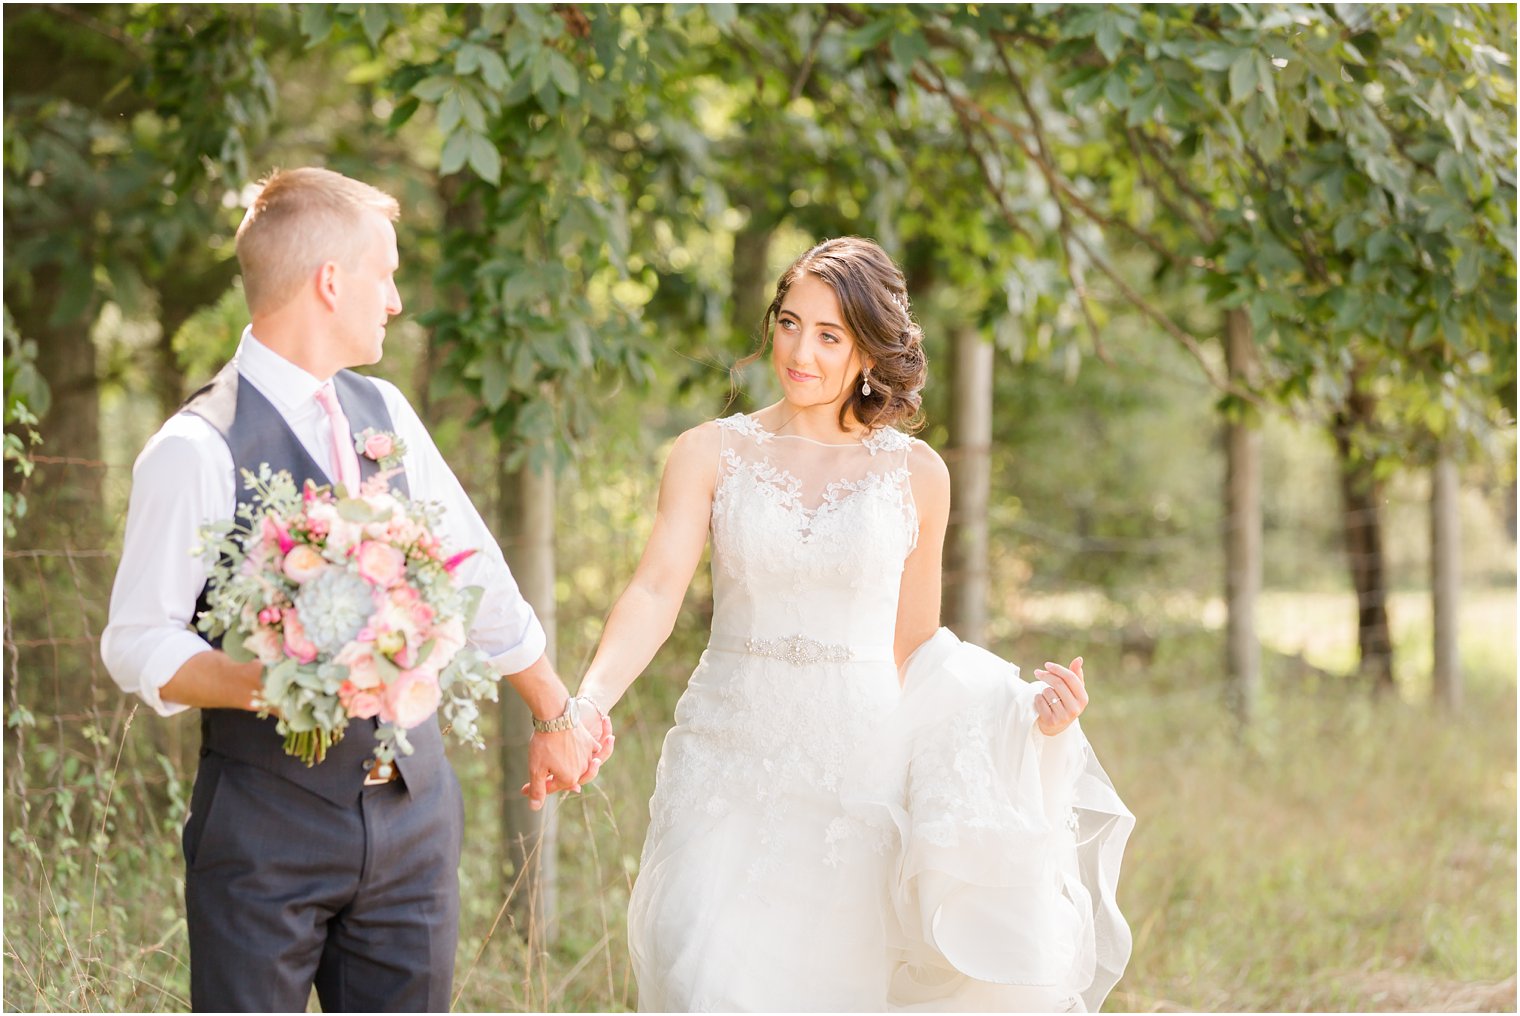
(930, 481)
(703, 440)
(925, 465)
(693, 458)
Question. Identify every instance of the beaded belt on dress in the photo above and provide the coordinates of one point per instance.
(798, 650)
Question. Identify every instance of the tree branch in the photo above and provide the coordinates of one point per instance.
(812, 54)
(968, 133)
(1176, 331)
(1205, 206)
(1155, 314)
(1203, 226)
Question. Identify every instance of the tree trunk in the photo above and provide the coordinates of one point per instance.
(65, 497)
(1362, 497)
(1242, 530)
(970, 462)
(186, 285)
(530, 838)
(751, 281)
(1445, 579)
(750, 288)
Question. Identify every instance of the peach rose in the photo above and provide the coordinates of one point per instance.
(410, 699)
(359, 704)
(303, 564)
(264, 644)
(381, 565)
(297, 645)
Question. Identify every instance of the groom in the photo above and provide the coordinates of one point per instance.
(338, 875)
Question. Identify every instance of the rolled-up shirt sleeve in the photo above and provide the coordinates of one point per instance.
(181, 482)
(506, 629)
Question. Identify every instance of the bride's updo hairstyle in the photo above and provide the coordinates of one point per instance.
(873, 296)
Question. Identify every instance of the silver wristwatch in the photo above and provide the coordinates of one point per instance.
(564, 721)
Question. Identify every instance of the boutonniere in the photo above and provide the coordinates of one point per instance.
(381, 445)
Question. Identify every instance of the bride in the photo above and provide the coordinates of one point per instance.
(854, 809)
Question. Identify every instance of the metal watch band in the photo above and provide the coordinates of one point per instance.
(564, 721)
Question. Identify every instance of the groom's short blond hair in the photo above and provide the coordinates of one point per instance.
(300, 220)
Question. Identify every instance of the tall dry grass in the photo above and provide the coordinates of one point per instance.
(1346, 855)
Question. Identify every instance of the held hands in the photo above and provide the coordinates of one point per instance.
(1063, 699)
(568, 759)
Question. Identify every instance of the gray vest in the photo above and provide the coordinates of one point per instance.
(256, 433)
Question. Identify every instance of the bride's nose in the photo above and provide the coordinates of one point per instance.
(805, 354)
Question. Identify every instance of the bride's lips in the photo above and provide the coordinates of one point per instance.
(798, 377)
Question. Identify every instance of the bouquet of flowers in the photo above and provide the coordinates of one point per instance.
(352, 608)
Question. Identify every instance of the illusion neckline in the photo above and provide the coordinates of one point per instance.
(862, 443)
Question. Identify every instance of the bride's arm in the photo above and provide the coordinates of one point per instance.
(918, 601)
(643, 617)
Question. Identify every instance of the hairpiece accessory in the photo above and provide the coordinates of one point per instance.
(865, 383)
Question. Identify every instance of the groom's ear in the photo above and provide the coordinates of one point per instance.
(327, 284)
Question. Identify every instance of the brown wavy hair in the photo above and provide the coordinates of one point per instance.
(873, 296)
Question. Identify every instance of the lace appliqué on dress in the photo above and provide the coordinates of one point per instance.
(953, 784)
(885, 439)
(746, 425)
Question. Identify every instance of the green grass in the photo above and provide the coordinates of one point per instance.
(1346, 855)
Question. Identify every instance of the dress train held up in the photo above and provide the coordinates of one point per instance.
(824, 838)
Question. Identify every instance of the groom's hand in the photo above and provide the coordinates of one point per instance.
(598, 726)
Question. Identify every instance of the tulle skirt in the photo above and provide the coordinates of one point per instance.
(824, 841)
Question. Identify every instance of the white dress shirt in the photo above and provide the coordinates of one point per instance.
(184, 480)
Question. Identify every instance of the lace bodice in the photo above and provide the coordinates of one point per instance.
(809, 539)
(809, 543)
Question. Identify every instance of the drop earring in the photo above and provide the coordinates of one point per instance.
(865, 383)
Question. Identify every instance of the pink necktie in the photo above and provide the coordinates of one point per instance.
(344, 456)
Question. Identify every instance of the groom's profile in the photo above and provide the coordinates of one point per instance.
(328, 876)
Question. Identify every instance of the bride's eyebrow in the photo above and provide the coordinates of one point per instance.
(821, 324)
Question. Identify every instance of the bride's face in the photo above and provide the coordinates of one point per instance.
(812, 351)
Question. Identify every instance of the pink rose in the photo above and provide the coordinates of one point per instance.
(410, 699)
(303, 564)
(297, 645)
(358, 703)
(381, 565)
(409, 600)
(378, 446)
(448, 638)
(359, 658)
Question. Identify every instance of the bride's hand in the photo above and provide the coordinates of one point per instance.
(1058, 707)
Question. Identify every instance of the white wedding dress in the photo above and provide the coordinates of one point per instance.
(825, 837)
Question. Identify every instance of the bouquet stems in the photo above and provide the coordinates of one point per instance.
(311, 746)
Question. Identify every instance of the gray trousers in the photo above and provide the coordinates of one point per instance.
(285, 890)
